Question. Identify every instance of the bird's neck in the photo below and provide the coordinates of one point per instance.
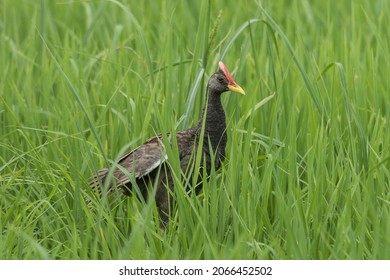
(215, 123)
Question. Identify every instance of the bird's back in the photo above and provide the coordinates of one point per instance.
(140, 165)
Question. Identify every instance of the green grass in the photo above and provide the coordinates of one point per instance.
(307, 172)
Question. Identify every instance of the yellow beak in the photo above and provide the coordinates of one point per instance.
(236, 88)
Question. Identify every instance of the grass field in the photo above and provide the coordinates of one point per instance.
(307, 169)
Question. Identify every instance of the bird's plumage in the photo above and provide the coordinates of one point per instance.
(147, 163)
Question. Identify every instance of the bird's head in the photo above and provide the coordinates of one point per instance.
(222, 81)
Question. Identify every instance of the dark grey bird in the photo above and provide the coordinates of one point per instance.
(147, 165)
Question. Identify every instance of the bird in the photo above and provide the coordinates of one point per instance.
(147, 165)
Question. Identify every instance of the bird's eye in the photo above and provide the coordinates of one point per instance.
(221, 79)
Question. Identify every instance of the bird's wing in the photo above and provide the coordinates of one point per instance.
(141, 161)
(137, 163)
